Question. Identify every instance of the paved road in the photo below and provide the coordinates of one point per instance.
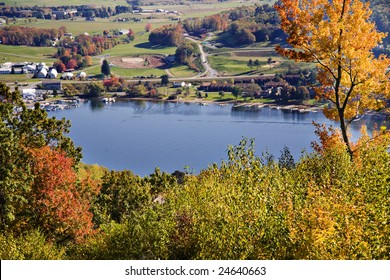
(210, 72)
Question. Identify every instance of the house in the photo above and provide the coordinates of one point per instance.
(179, 84)
(42, 73)
(18, 68)
(67, 76)
(4, 70)
(82, 75)
(29, 68)
(124, 31)
(52, 85)
(29, 94)
(41, 66)
(52, 73)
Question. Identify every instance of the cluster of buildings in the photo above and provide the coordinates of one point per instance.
(38, 70)
(158, 11)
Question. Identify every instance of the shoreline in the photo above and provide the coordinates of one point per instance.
(236, 104)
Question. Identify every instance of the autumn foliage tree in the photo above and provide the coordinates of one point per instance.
(339, 37)
(58, 203)
(38, 183)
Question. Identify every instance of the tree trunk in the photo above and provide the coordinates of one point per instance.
(344, 133)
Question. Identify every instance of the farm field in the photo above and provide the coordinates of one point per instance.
(80, 26)
(25, 53)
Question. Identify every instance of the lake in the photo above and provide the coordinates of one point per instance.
(142, 135)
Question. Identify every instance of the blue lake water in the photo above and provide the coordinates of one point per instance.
(142, 135)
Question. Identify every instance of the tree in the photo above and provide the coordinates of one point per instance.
(72, 64)
(95, 89)
(339, 36)
(106, 68)
(131, 34)
(236, 91)
(148, 27)
(87, 60)
(23, 129)
(164, 80)
(256, 64)
(58, 204)
(59, 66)
(250, 64)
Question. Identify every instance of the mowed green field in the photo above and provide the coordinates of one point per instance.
(236, 62)
(25, 53)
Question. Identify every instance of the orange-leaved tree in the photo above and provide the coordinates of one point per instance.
(339, 37)
(59, 202)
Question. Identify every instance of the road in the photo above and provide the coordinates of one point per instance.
(210, 72)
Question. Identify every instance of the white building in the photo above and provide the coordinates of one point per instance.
(67, 76)
(52, 73)
(82, 75)
(42, 73)
(124, 31)
(30, 68)
(5, 70)
(29, 94)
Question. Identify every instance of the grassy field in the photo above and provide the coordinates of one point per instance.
(24, 53)
(182, 71)
(80, 26)
(122, 72)
(138, 47)
(236, 61)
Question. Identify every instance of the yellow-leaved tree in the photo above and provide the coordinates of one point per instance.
(339, 37)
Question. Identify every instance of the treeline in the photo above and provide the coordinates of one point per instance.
(17, 35)
(200, 26)
(239, 26)
(52, 12)
(77, 53)
(167, 35)
(88, 45)
(321, 206)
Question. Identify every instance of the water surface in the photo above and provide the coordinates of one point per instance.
(141, 135)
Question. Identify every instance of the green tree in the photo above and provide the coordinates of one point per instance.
(105, 69)
(164, 80)
(250, 64)
(95, 89)
(22, 129)
(236, 91)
